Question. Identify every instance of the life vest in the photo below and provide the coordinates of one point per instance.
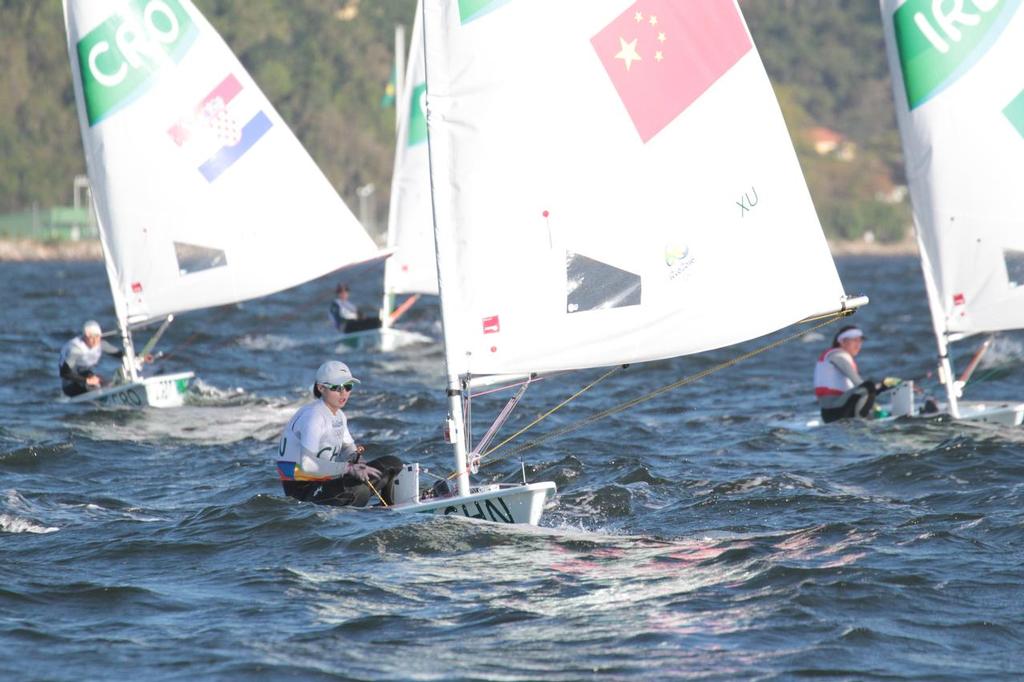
(828, 380)
(79, 357)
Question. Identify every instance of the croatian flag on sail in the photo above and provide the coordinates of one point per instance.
(213, 127)
(662, 55)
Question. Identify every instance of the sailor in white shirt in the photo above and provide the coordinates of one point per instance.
(319, 461)
(79, 357)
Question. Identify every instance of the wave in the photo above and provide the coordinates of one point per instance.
(15, 524)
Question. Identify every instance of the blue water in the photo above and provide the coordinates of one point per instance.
(707, 534)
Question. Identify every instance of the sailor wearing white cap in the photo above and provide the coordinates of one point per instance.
(838, 386)
(79, 357)
(318, 460)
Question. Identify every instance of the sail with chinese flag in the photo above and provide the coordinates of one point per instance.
(618, 187)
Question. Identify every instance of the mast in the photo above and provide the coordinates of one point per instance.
(388, 304)
(399, 71)
(457, 433)
(444, 249)
(947, 378)
(939, 327)
(128, 363)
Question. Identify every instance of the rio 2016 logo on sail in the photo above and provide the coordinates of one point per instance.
(118, 58)
(678, 259)
(938, 42)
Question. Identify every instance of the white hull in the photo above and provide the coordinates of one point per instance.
(903, 404)
(1003, 413)
(165, 390)
(385, 339)
(522, 504)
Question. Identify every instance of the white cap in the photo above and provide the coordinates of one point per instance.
(91, 328)
(853, 333)
(335, 373)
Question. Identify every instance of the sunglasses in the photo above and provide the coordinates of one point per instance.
(338, 389)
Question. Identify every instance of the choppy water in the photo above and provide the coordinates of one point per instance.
(702, 535)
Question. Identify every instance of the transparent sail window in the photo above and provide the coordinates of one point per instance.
(593, 285)
(194, 258)
(1014, 267)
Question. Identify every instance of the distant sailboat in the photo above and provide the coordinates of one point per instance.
(958, 83)
(411, 271)
(616, 187)
(203, 195)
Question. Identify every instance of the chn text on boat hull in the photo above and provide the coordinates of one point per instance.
(521, 504)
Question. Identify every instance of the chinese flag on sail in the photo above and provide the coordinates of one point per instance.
(661, 55)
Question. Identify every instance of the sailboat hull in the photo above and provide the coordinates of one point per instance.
(385, 339)
(517, 504)
(166, 390)
(990, 411)
(1001, 412)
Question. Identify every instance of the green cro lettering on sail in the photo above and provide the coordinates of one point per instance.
(940, 40)
(120, 58)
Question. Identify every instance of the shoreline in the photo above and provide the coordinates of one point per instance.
(906, 247)
(28, 250)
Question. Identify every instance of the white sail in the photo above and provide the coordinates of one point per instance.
(613, 182)
(412, 269)
(203, 194)
(958, 80)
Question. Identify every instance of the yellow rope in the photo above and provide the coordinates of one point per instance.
(379, 496)
(829, 319)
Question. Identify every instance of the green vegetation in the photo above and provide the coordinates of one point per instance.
(826, 59)
(324, 64)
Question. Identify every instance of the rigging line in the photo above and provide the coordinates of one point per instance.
(532, 379)
(833, 317)
(544, 416)
(506, 387)
(554, 409)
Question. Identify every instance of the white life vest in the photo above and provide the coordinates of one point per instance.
(828, 380)
(79, 356)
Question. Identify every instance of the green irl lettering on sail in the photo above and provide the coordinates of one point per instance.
(939, 40)
(120, 56)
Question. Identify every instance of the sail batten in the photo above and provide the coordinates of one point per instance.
(204, 196)
(612, 194)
